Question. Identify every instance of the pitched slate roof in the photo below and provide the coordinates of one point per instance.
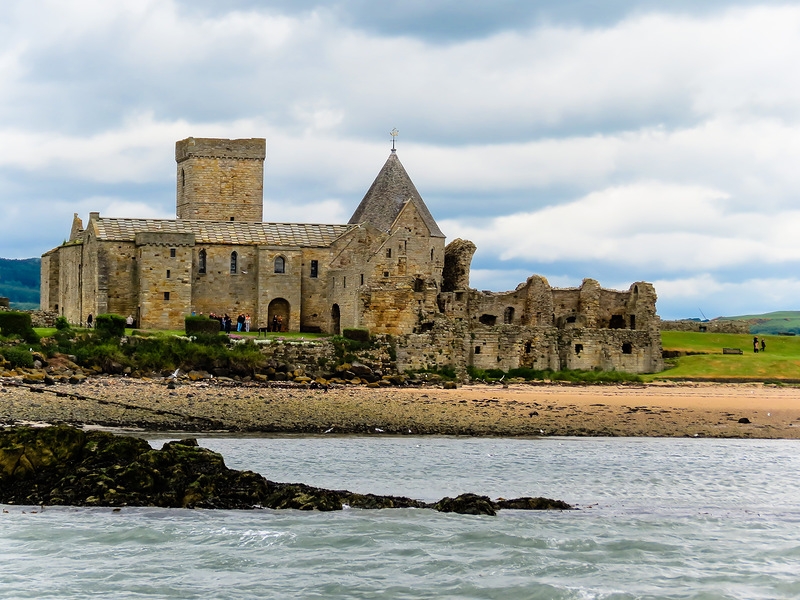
(386, 197)
(224, 232)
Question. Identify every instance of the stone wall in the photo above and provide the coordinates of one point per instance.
(715, 326)
(165, 279)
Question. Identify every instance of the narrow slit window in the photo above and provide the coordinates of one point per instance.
(234, 261)
(201, 262)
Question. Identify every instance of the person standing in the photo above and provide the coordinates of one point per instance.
(247, 322)
(763, 345)
(755, 344)
(89, 321)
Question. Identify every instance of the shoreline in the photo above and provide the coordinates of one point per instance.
(676, 409)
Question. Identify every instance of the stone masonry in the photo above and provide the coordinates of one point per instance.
(386, 270)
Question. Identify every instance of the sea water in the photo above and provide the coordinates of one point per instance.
(657, 518)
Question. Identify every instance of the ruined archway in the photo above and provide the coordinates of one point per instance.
(278, 314)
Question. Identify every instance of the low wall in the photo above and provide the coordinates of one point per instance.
(715, 326)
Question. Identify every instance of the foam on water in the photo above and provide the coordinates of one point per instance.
(659, 519)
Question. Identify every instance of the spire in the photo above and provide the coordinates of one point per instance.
(388, 195)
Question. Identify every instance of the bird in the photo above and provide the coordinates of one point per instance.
(175, 374)
(378, 430)
(328, 430)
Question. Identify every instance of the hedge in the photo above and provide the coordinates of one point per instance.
(357, 334)
(198, 324)
(17, 323)
(110, 325)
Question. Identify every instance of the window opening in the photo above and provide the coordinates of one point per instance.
(166, 295)
(201, 263)
(314, 268)
(280, 265)
(627, 348)
(168, 273)
(362, 279)
(633, 321)
(477, 349)
(234, 261)
(488, 319)
(578, 349)
(388, 253)
(172, 252)
(508, 315)
(617, 322)
(419, 285)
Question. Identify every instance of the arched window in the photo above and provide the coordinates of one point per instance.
(508, 315)
(234, 261)
(201, 262)
(280, 265)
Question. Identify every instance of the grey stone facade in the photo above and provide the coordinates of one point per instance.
(386, 270)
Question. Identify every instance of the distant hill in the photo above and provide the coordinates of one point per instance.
(775, 323)
(19, 281)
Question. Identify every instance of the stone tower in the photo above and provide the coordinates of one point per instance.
(220, 180)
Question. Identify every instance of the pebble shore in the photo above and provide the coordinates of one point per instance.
(670, 410)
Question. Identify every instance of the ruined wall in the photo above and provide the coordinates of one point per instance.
(457, 261)
(507, 330)
(220, 180)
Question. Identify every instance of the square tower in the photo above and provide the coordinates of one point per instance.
(220, 180)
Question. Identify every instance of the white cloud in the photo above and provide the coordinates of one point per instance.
(661, 145)
(646, 225)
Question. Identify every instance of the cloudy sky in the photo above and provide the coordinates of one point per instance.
(620, 140)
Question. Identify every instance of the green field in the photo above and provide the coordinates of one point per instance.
(704, 359)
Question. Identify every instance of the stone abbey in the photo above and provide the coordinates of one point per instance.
(387, 270)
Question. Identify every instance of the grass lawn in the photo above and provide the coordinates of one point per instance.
(780, 361)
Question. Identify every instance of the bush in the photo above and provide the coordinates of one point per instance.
(18, 356)
(62, 324)
(356, 334)
(201, 325)
(13, 323)
(110, 325)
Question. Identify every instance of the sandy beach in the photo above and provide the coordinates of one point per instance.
(671, 410)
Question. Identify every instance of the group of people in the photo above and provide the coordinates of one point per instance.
(756, 345)
(226, 322)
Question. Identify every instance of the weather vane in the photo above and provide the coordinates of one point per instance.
(394, 133)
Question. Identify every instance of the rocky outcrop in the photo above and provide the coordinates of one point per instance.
(67, 466)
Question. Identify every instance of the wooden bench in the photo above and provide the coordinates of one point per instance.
(732, 351)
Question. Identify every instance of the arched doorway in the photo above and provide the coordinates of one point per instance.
(278, 308)
(336, 319)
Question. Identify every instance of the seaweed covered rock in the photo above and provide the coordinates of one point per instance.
(63, 465)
